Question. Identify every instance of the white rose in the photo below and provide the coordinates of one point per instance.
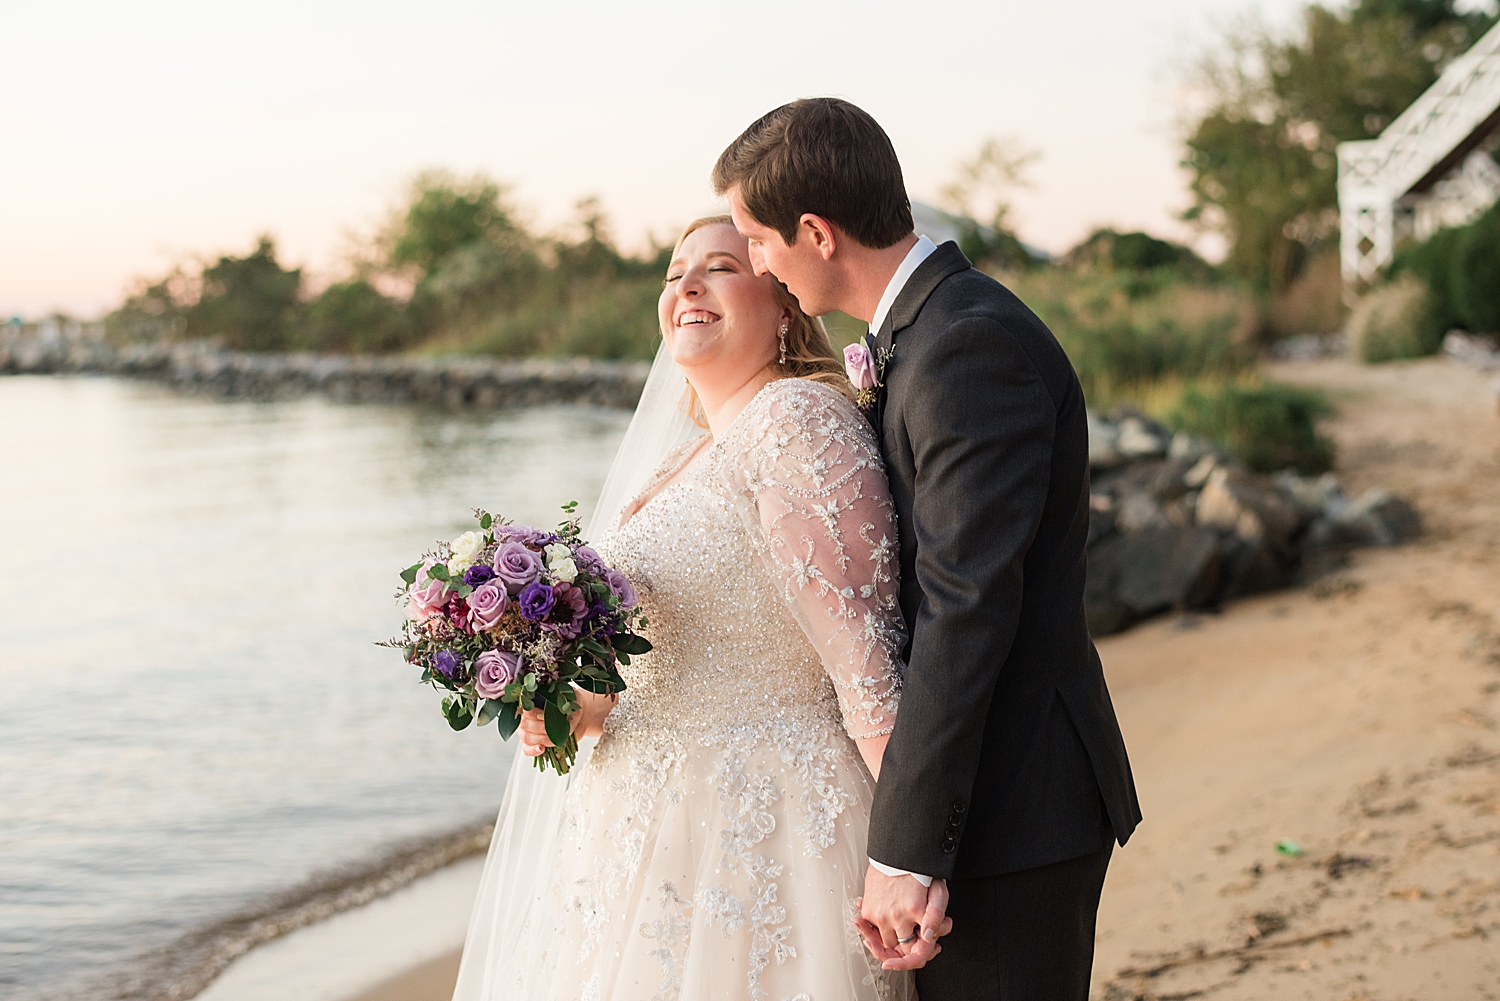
(560, 562)
(466, 549)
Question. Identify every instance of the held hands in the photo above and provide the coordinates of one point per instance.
(899, 907)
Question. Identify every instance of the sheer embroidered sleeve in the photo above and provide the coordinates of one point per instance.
(805, 470)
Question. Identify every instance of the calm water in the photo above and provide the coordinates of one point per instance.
(192, 714)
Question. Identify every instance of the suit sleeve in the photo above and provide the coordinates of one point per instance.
(980, 425)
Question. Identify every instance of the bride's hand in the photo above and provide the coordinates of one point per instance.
(588, 721)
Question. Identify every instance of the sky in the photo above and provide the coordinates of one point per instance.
(135, 135)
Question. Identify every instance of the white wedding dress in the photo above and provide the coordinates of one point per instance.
(713, 844)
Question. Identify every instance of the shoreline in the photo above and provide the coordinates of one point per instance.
(195, 963)
(455, 382)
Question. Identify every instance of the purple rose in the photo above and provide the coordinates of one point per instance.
(445, 664)
(521, 533)
(536, 601)
(517, 566)
(588, 560)
(493, 670)
(486, 604)
(478, 574)
(570, 610)
(621, 588)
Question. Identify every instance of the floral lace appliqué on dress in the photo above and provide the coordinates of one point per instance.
(714, 842)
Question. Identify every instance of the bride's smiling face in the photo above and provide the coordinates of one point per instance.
(717, 315)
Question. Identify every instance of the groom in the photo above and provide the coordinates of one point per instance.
(1005, 784)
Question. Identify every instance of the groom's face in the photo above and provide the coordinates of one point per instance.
(801, 267)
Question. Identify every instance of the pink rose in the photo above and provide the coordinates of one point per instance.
(427, 597)
(860, 365)
(493, 670)
(486, 604)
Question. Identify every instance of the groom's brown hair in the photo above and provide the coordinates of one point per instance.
(824, 156)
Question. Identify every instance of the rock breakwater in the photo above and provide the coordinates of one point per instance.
(1176, 524)
(451, 382)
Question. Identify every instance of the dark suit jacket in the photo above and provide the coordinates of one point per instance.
(1006, 753)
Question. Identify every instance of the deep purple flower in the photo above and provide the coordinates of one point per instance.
(571, 609)
(493, 670)
(445, 664)
(479, 574)
(621, 588)
(517, 566)
(536, 601)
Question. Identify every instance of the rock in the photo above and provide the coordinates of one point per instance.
(1250, 566)
(1190, 449)
(1251, 507)
(1139, 439)
(1103, 439)
(1476, 352)
(1194, 478)
(1139, 511)
(1314, 497)
(1379, 518)
(1136, 575)
(1101, 525)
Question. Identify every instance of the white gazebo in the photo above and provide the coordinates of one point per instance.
(1427, 170)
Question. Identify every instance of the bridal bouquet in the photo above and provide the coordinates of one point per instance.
(509, 618)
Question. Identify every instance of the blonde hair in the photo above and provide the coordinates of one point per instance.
(809, 352)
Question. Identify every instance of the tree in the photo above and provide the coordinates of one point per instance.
(250, 302)
(980, 194)
(1261, 154)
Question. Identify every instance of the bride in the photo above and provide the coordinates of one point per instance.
(712, 845)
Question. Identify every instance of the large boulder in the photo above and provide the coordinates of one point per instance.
(1251, 507)
(1136, 575)
(1377, 518)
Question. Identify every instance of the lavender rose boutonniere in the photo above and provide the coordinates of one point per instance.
(508, 619)
(865, 369)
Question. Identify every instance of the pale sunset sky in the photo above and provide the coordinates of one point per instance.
(133, 135)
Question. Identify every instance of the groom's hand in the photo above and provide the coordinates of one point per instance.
(898, 907)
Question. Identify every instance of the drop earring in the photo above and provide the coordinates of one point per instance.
(783, 344)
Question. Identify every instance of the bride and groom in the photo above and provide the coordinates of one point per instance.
(872, 754)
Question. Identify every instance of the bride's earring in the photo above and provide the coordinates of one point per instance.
(783, 344)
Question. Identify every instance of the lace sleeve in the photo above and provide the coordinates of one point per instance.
(806, 470)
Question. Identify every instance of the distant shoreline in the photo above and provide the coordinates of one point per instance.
(454, 382)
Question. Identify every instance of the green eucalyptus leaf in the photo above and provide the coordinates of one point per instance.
(630, 643)
(410, 573)
(485, 521)
(489, 710)
(558, 729)
(507, 721)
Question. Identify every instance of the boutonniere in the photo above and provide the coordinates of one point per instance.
(866, 372)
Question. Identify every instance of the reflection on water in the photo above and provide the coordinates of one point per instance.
(192, 713)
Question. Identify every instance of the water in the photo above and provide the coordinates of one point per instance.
(192, 713)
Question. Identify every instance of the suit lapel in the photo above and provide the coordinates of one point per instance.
(946, 260)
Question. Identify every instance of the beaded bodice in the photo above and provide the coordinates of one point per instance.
(784, 522)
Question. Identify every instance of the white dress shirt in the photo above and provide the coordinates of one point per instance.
(919, 252)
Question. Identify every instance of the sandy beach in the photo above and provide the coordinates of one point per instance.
(1357, 719)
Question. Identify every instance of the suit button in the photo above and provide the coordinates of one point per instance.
(958, 807)
(949, 844)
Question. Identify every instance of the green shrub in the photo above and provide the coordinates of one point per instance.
(1268, 427)
(1396, 321)
(355, 316)
(1461, 268)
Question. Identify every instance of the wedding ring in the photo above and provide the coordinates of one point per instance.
(904, 941)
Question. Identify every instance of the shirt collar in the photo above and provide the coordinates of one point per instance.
(919, 252)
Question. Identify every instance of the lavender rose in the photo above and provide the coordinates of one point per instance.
(621, 588)
(445, 664)
(520, 533)
(486, 605)
(517, 566)
(860, 366)
(493, 670)
(588, 560)
(536, 601)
